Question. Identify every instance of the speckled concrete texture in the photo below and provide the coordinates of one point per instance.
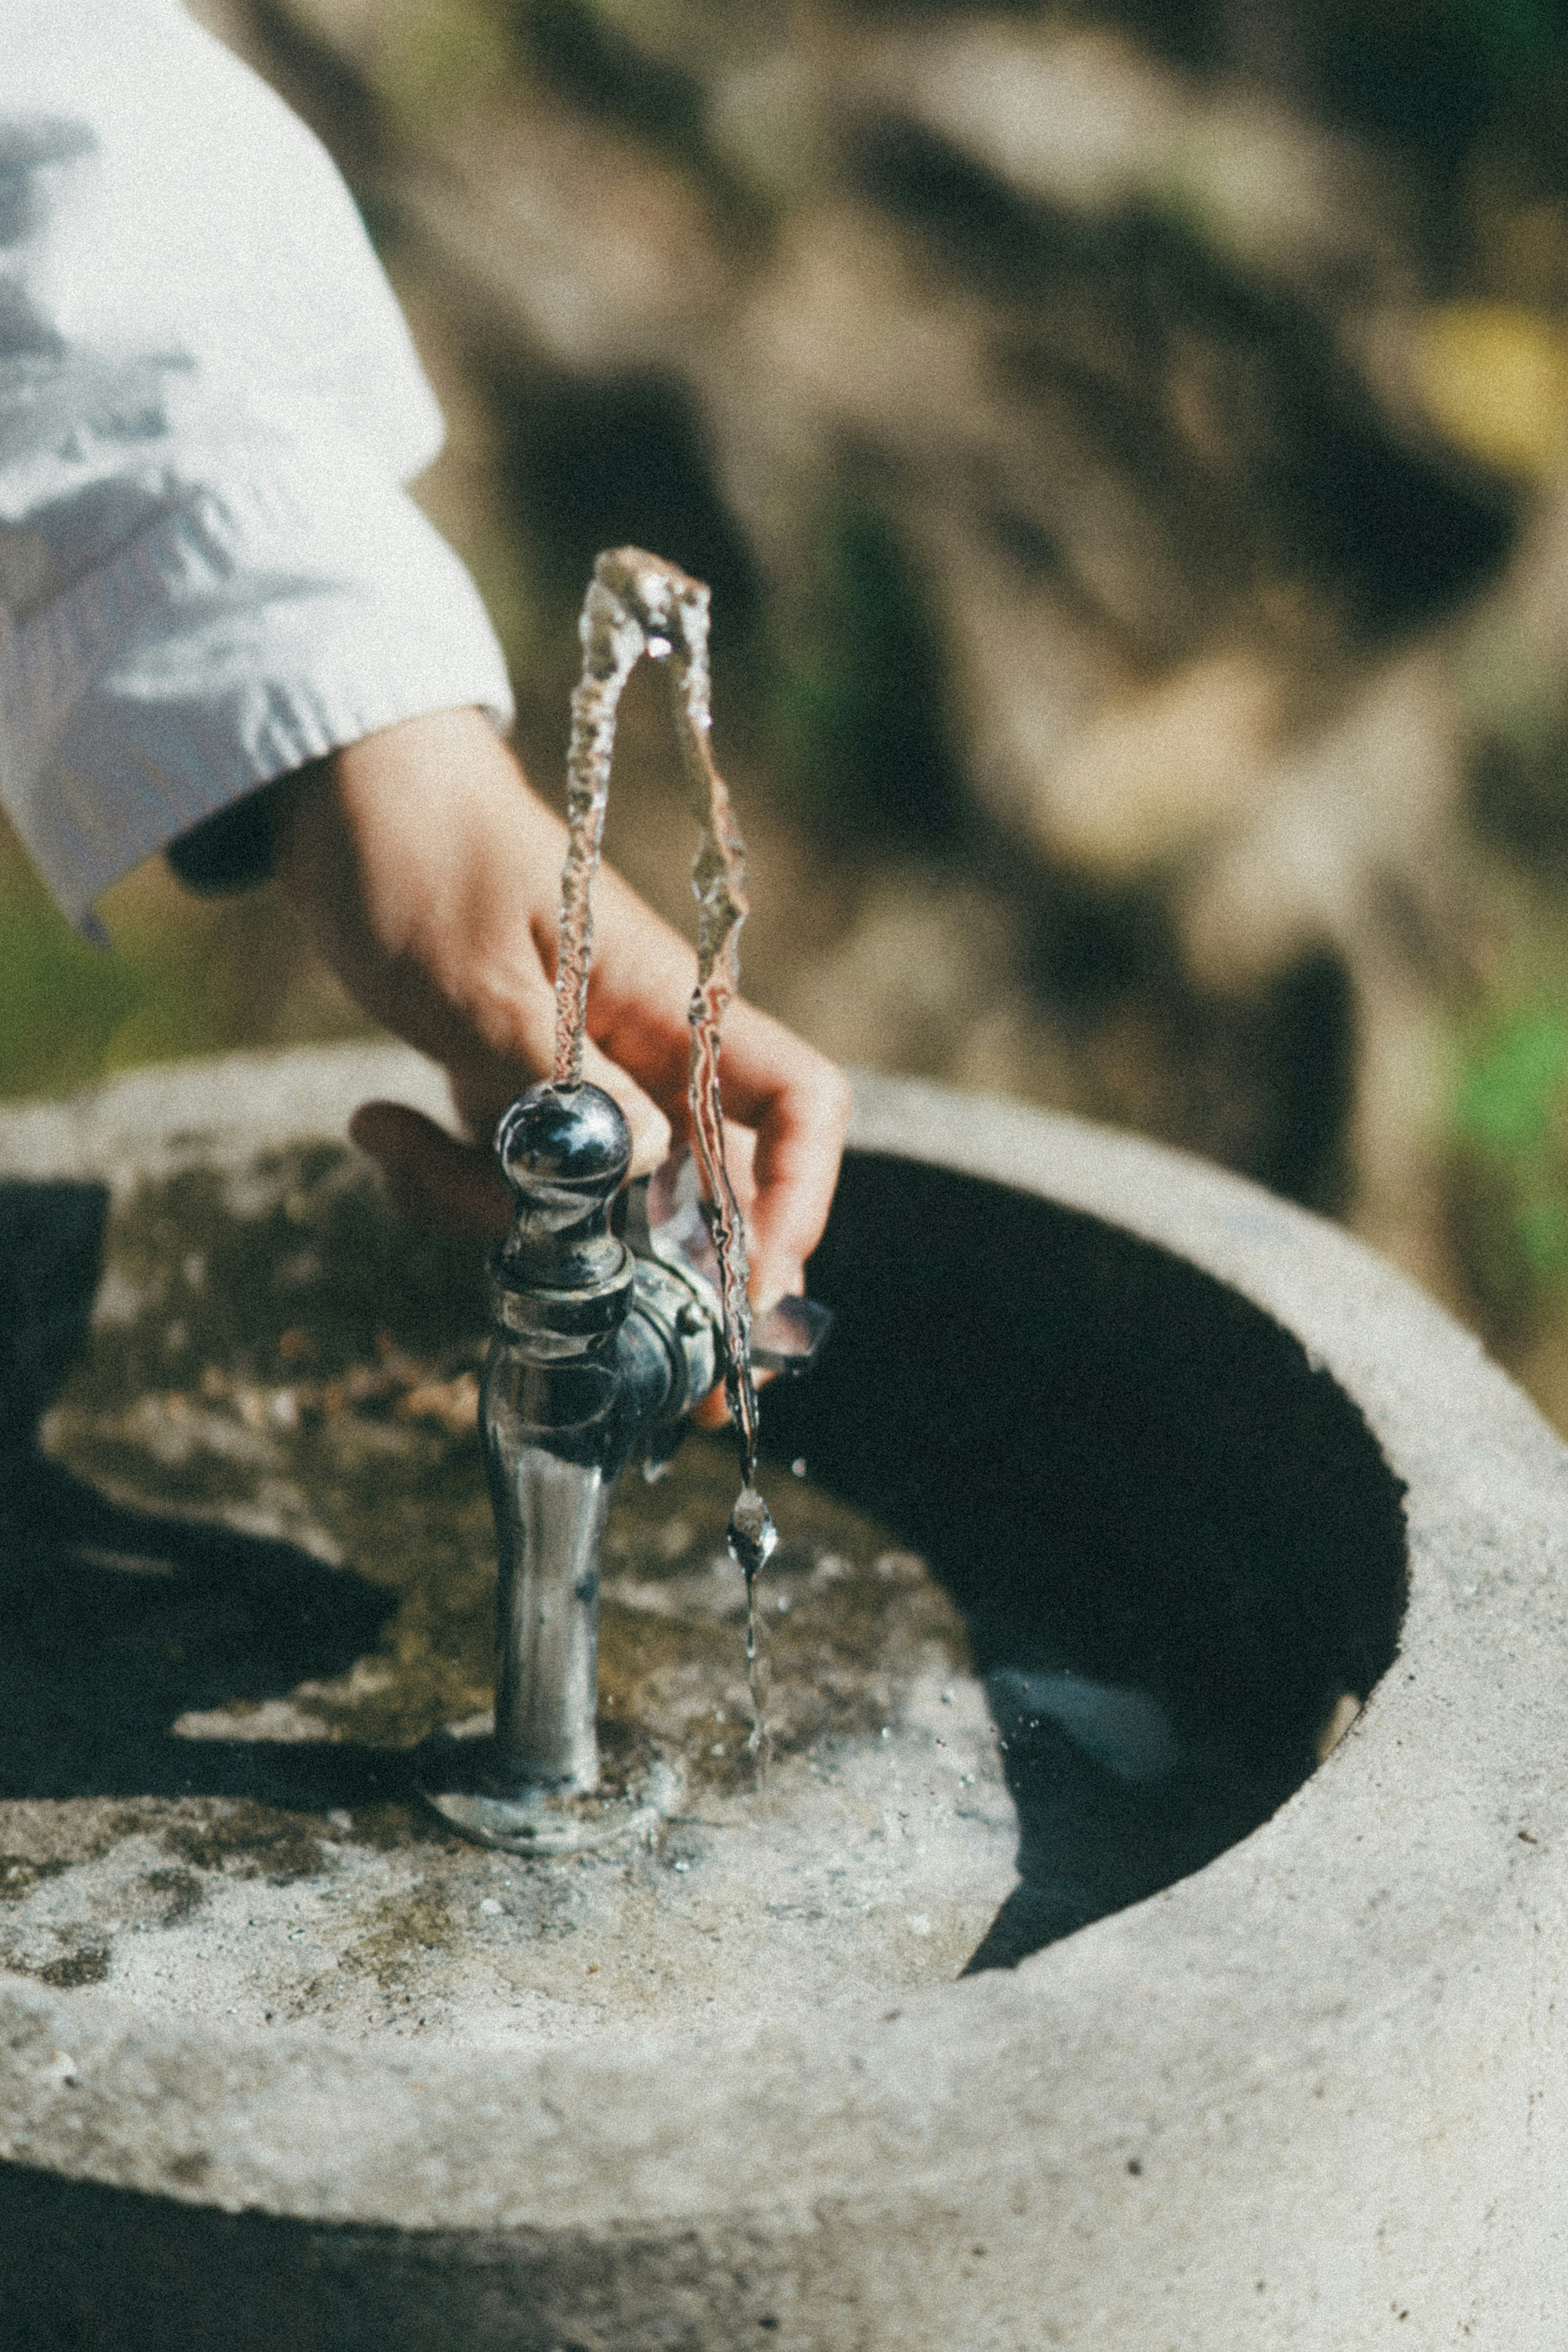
(1307, 2095)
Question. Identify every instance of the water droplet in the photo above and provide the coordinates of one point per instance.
(754, 1539)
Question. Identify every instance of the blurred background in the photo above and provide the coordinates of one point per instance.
(1129, 448)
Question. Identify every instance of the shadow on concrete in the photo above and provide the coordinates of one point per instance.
(117, 1620)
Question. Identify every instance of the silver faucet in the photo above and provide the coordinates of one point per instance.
(600, 1345)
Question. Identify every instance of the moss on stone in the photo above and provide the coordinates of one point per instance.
(255, 1841)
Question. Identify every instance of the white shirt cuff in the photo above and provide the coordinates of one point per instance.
(253, 626)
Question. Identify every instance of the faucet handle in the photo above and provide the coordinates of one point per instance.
(665, 1222)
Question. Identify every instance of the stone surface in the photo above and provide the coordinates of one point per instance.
(1301, 2087)
(261, 1490)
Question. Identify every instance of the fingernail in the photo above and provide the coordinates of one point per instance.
(770, 1288)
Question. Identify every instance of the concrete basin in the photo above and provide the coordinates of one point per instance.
(1256, 2048)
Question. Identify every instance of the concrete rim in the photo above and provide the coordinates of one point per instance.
(1390, 1899)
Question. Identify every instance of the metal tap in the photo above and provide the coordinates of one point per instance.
(600, 1345)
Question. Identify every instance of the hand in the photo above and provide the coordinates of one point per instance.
(429, 876)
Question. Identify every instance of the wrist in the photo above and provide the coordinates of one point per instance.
(236, 848)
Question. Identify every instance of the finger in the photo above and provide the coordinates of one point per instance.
(798, 1104)
(713, 1412)
(650, 1130)
(741, 1160)
(434, 1182)
(795, 1099)
(482, 1094)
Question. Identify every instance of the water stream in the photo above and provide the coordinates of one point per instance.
(637, 603)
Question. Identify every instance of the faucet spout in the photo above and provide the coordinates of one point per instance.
(551, 1513)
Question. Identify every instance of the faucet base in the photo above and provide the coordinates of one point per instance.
(459, 1779)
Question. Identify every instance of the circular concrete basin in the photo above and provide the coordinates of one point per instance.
(1255, 2050)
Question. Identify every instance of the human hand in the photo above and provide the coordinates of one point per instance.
(429, 876)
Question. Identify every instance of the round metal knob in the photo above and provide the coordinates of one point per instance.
(564, 1150)
(571, 1139)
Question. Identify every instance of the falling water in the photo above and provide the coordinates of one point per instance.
(613, 639)
(638, 604)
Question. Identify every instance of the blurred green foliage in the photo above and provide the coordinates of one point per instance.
(434, 63)
(1511, 1165)
(61, 1001)
(181, 976)
(1508, 1093)
(855, 703)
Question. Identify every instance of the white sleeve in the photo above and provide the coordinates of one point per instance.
(209, 570)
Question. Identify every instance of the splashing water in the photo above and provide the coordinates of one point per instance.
(753, 1540)
(638, 604)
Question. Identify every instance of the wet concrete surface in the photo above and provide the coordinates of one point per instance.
(248, 1567)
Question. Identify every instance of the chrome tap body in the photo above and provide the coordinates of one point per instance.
(595, 1349)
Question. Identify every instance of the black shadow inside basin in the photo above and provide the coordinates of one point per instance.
(1133, 1481)
(1174, 1543)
